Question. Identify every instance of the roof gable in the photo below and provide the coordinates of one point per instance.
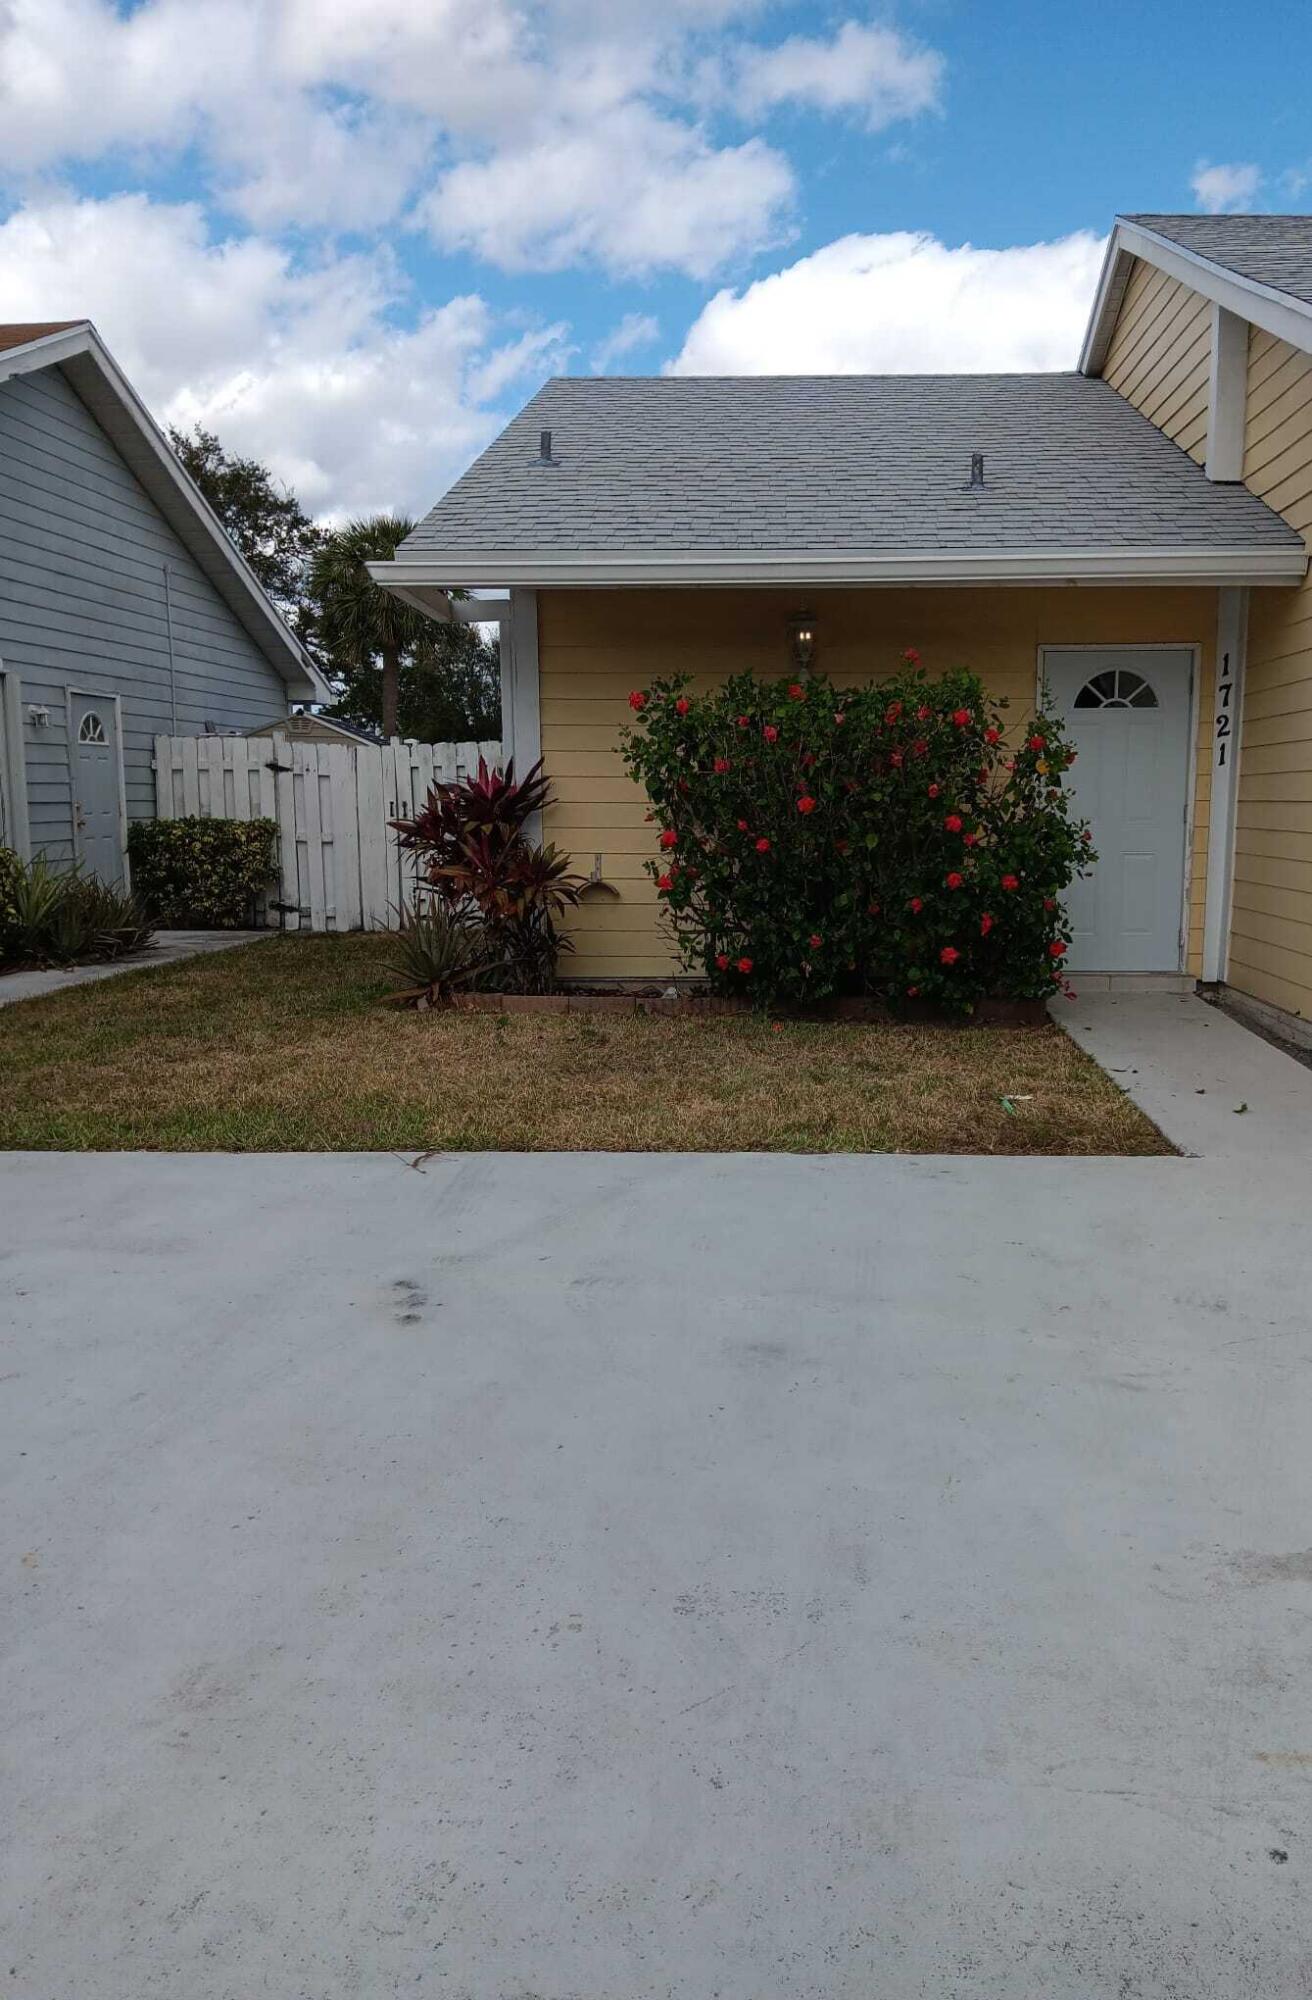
(76, 349)
(1258, 267)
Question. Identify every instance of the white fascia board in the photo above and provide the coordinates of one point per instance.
(600, 569)
(79, 348)
(1277, 313)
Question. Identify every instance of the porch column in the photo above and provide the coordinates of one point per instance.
(1223, 738)
(521, 707)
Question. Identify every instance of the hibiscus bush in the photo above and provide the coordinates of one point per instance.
(884, 840)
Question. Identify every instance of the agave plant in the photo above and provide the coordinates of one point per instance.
(435, 956)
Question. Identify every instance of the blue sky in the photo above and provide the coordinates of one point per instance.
(354, 237)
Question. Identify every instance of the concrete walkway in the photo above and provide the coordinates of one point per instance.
(1212, 1086)
(169, 948)
(641, 1578)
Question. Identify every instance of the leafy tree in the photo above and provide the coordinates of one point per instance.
(265, 520)
(448, 689)
(440, 683)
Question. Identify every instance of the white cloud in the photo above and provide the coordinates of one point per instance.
(567, 130)
(633, 331)
(868, 69)
(631, 191)
(902, 303)
(303, 366)
(1222, 189)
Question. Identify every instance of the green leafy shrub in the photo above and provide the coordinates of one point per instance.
(881, 840)
(11, 877)
(202, 873)
(48, 918)
(482, 867)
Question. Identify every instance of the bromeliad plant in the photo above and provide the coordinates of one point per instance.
(884, 840)
(484, 870)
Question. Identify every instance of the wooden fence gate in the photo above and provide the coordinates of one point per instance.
(340, 864)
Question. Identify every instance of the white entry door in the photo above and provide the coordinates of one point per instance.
(96, 757)
(1128, 716)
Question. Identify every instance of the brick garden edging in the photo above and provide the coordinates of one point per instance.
(989, 1013)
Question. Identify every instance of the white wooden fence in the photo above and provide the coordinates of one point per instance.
(340, 864)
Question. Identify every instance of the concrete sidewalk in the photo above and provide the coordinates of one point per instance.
(1216, 1089)
(170, 948)
(614, 1577)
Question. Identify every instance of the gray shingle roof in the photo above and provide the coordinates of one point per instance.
(1274, 250)
(841, 463)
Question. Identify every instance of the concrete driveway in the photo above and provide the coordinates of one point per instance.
(619, 1578)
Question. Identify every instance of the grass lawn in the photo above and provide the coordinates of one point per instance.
(285, 1047)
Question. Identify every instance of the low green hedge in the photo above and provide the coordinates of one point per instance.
(11, 877)
(201, 873)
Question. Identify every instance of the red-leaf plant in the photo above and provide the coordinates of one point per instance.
(882, 839)
(478, 859)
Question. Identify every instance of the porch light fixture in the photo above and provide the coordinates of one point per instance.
(802, 633)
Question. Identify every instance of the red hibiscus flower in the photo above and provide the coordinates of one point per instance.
(744, 965)
(682, 705)
(915, 906)
(763, 845)
(744, 721)
(923, 714)
(993, 735)
(665, 883)
(985, 924)
(839, 718)
(949, 955)
(770, 733)
(1038, 742)
(1056, 949)
(815, 940)
(742, 826)
(1049, 902)
(1011, 881)
(911, 656)
(969, 839)
(961, 716)
(669, 838)
(722, 961)
(806, 804)
(892, 712)
(720, 766)
(952, 823)
(954, 881)
(934, 791)
(920, 748)
(895, 759)
(796, 691)
(637, 701)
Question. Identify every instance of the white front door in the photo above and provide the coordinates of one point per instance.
(96, 755)
(1127, 712)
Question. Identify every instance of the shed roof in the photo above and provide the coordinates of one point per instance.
(839, 467)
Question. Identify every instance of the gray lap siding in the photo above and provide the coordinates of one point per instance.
(82, 604)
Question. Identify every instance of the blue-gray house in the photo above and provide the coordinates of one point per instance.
(125, 611)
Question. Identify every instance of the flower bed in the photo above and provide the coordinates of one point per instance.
(882, 842)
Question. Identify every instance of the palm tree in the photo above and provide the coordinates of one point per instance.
(357, 620)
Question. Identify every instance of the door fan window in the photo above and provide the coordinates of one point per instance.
(1117, 687)
(91, 729)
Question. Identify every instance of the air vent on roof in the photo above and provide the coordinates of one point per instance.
(544, 450)
(976, 469)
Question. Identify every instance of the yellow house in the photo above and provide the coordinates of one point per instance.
(1127, 539)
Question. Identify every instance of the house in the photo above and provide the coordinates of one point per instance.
(125, 611)
(1129, 537)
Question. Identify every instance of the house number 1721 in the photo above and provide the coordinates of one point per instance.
(1224, 689)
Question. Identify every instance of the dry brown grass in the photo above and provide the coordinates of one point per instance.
(286, 1047)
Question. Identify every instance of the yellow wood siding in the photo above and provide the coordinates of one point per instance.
(594, 646)
(1160, 356)
(1271, 927)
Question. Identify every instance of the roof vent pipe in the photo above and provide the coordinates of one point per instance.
(977, 468)
(544, 449)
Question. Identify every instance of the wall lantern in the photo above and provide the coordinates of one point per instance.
(802, 633)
